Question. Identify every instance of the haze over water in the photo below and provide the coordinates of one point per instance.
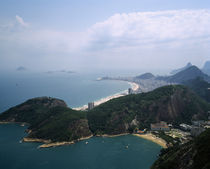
(76, 89)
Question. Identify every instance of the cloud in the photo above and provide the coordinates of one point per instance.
(126, 30)
(143, 28)
(21, 21)
(131, 38)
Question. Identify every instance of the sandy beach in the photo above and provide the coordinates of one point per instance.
(49, 143)
(153, 138)
(134, 87)
(115, 135)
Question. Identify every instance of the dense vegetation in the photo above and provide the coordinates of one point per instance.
(200, 87)
(173, 104)
(51, 119)
(63, 124)
(192, 155)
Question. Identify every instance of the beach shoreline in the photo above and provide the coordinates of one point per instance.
(153, 138)
(134, 86)
(49, 143)
(114, 135)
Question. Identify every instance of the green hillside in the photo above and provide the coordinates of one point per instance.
(173, 104)
(50, 118)
(200, 87)
(192, 155)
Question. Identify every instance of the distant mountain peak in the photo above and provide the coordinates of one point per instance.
(190, 73)
(181, 69)
(145, 76)
(21, 68)
(206, 67)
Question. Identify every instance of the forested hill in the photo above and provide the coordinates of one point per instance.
(191, 155)
(174, 104)
(49, 118)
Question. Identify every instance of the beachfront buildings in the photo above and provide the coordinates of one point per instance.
(130, 91)
(90, 105)
(162, 126)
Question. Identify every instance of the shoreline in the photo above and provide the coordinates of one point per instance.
(153, 138)
(135, 87)
(114, 135)
(49, 143)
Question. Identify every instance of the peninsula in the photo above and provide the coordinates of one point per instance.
(53, 123)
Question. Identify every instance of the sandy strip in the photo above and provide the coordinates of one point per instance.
(36, 140)
(4, 122)
(115, 135)
(134, 87)
(49, 143)
(153, 138)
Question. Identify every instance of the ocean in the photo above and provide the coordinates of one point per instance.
(76, 89)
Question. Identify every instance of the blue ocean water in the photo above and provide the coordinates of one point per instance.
(76, 89)
(99, 153)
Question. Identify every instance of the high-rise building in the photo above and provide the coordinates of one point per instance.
(90, 105)
(130, 91)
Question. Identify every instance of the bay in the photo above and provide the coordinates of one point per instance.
(99, 153)
(76, 89)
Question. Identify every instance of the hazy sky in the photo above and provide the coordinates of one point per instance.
(103, 34)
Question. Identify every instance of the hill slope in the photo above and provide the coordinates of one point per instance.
(192, 155)
(185, 75)
(174, 104)
(145, 76)
(200, 87)
(49, 118)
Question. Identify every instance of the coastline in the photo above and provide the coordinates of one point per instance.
(153, 138)
(49, 143)
(114, 135)
(135, 87)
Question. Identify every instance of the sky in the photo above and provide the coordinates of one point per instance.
(150, 35)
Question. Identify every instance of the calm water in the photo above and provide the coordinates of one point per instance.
(99, 153)
(77, 90)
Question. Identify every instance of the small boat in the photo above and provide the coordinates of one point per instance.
(126, 147)
(86, 142)
(20, 141)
